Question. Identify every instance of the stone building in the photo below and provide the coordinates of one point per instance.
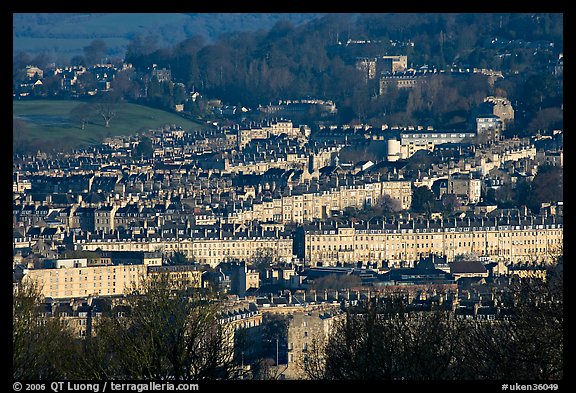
(81, 281)
(399, 243)
(207, 248)
(501, 107)
(306, 330)
(489, 126)
(267, 129)
(306, 206)
(465, 187)
(412, 141)
(74, 282)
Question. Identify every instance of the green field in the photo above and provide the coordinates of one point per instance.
(48, 122)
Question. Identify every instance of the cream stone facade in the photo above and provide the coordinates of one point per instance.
(306, 207)
(399, 81)
(85, 281)
(211, 251)
(305, 330)
(413, 141)
(104, 218)
(402, 243)
(292, 161)
(397, 63)
(179, 275)
(106, 280)
(501, 107)
(487, 158)
(263, 131)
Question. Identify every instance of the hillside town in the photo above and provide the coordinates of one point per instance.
(290, 218)
(258, 212)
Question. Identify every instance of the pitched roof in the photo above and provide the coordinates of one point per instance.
(93, 198)
(467, 267)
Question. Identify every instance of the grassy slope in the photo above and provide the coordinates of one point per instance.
(49, 121)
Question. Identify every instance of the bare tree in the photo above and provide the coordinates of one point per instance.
(108, 107)
(391, 340)
(386, 205)
(268, 370)
(388, 341)
(124, 84)
(273, 337)
(262, 259)
(42, 348)
(168, 331)
(450, 203)
(529, 344)
(313, 364)
(82, 113)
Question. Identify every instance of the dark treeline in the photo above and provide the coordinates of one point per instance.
(173, 333)
(165, 330)
(317, 59)
(387, 341)
(291, 62)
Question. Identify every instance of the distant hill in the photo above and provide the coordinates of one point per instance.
(47, 124)
(65, 34)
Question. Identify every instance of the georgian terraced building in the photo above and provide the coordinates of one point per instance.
(515, 239)
(205, 245)
(81, 280)
(302, 206)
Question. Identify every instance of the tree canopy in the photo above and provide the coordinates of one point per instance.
(388, 340)
(165, 329)
(423, 200)
(314, 59)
